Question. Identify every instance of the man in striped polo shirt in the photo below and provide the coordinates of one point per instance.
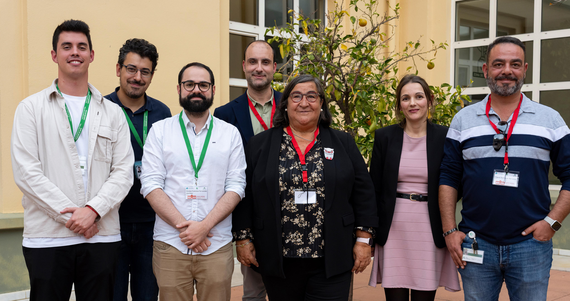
(498, 152)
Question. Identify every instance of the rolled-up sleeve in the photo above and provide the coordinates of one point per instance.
(235, 175)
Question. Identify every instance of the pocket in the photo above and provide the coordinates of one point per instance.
(104, 144)
(540, 241)
(348, 220)
(161, 246)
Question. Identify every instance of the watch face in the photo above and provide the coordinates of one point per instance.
(556, 226)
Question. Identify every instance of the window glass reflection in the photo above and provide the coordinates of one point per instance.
(514, 17)
(244, 11)
(555, 65)
(472, 20)
(555, 15)
(276, 12)
(469, 66)
(558, 100)
(237, 50)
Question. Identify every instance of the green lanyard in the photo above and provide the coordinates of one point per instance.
(189, 147)
(134, 131)
(83, 116)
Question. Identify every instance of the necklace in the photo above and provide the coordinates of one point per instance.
(302, 137)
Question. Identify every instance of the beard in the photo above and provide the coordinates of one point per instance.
(504, 90)
(135, 93)
(258, 85)
(195, 106)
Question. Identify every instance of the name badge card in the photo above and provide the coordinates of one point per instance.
(306, 196)
(470, 256)
(197, 193)
(138, 170)
(82, 164)
(502, 178)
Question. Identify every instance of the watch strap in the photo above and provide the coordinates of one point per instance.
(367, 241)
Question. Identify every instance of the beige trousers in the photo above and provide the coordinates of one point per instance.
(176, 273)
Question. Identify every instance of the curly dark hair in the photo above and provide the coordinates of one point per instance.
(141, 47)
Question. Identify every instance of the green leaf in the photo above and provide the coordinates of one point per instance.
(352, 19)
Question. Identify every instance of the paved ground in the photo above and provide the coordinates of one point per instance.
(558, 289)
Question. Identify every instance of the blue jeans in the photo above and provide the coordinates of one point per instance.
(135, 257)
(525, 268)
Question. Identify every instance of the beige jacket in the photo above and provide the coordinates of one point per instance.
(46, 164)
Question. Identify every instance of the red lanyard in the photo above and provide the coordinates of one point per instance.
(509, 132)
(301, 155)
(259, 117)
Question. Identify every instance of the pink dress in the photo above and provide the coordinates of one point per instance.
(410, 259)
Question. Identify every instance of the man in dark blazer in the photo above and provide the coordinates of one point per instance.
(252, 113)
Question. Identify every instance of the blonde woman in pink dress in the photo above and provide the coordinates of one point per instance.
(410, 258)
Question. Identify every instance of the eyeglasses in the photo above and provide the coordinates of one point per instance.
(189, 86)
(499, 139)
(132, 70)
(296, 97)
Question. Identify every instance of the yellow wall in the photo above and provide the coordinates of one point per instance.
(183, 31)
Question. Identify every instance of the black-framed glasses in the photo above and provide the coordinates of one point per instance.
(132, 70)
(202, 86)
(499, 139)
(296, 97)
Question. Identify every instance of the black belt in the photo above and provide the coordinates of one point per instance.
(412, 197)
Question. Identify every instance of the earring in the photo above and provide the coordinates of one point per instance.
(285, 109)
(321, 109)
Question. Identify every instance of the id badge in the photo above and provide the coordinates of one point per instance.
(470, 256)
(305, 196)
(197, 193)
(83, 164)
(138, 169)
(510, 179)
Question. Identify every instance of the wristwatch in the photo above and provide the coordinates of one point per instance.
(554, 224)
(368, 241)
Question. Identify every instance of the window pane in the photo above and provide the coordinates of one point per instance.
(237, 52)
(560, 101)
(314, 9)
(468, 66)
(244, 11)
(476, 98)
(528, 94)
(555, 63)
(472, 20)
(514, 17)
(555, 15)
(279, 60)
(235, 92)
(276, 12)
(528, 59)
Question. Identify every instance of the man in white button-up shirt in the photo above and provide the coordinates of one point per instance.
(72, 159)
(193, 175)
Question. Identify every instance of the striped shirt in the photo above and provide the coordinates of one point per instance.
(499, 214)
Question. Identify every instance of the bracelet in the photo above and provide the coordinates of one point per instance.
(450, 231)
(244, 244)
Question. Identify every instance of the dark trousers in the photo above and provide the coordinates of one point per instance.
(135, 257)
(305, 279)
(53, 271)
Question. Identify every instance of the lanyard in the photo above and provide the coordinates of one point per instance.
(134, 131)
(83, 115)
(254, 110)
(301, 155)
(189, 147)
(509, 132)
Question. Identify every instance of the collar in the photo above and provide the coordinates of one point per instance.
(190, 124)
(148, 103)
(526, 106)
(95, 94)
(255, 102)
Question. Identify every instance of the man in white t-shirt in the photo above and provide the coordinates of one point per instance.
(72, 159)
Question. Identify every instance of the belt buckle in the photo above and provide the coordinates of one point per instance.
(412, 195)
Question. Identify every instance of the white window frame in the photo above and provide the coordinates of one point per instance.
(258, 32)
(536, 37)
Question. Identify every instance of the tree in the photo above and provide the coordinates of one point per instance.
(357, 67)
